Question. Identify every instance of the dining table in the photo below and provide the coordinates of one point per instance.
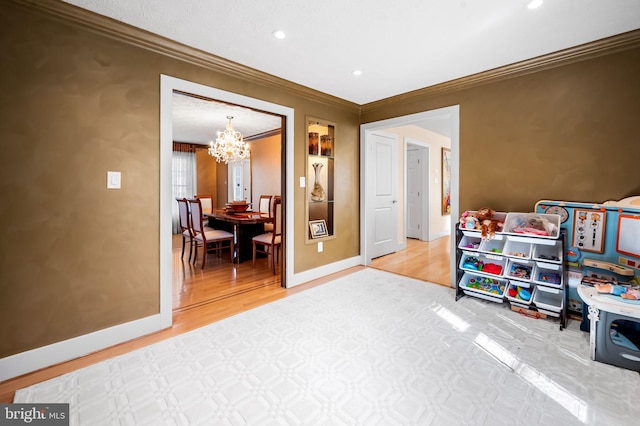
(243, 225)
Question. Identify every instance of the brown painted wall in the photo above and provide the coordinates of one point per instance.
(265, 168)
(77, 257)
(206, 174)
(567, 133)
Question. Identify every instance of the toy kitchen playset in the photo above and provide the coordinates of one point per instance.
(602, 267)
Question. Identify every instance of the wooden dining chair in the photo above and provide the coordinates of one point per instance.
(270, 243)
(206, 237)
(264, 207)
(206, 201)
(185, 225)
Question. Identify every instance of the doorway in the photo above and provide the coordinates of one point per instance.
(417, 189)
(169, 85)
(239, 181)
(444, 121)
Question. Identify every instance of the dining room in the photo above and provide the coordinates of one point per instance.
(227, 157)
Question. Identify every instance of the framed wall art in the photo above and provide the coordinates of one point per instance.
(446, 181)
(318, 228)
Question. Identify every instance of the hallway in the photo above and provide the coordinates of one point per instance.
(423, 260)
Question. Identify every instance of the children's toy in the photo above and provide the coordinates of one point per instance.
(551, 278)
(632, 293)
(473, 263)
(520, 271)
(468, 221)
(488, 225)
(492, 268)
(487, 285)
(524, 294)
(531, 224)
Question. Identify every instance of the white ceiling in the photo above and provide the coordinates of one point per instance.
(197, 120)
(399, 45)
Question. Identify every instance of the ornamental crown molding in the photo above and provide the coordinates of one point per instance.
(108, 27)
(117, 30)
(605, 46)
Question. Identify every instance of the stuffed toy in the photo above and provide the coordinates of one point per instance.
(632, 293)
(488, 225)
(468, 221)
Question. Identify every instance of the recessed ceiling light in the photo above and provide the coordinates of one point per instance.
(279, 34)
(357, 73)
(534, 4)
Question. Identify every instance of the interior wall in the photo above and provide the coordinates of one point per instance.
(265, 167)
(75, 104)
(206, 167)
(222, 176)
(565, 133)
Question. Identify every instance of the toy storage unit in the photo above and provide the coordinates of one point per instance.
(602, 241)
(524, 270)
(614, 329)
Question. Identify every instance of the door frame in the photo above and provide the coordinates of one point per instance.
(453, 112)
(167, 85)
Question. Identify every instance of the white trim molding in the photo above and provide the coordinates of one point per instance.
(324, 270)
(55, 353)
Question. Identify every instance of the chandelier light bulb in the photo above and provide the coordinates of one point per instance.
(229, 146)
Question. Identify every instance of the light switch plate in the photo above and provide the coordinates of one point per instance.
(303, 182)
(320, 247)
(113, 180)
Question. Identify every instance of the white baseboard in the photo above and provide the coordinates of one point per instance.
(322, 271)
(439, 235)
(46, 356)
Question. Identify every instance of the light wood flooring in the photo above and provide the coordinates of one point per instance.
(201, 297)
(428, 261)
(194, 286)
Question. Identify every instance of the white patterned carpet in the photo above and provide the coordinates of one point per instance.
(371, 348)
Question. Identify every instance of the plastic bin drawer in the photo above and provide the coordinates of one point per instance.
(493, 246)
(483, 264)
(470, 242)
(548, 253)
(484, 287)
(518, 249)
(549, 300)
(548, 274)
(521, 270)
(517, 292)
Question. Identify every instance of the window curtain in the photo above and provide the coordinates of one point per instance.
(183, 177)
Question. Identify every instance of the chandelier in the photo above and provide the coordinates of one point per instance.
(229, 146)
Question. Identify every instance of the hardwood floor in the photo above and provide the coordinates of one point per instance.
(220, 279)
(428, 261)
(222, 289)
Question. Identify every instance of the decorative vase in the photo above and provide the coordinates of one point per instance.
(317, 194)
(326, 145)
(313, 143)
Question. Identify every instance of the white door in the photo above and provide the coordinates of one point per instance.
(415, 193)
(382, 175)
(239, 181)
